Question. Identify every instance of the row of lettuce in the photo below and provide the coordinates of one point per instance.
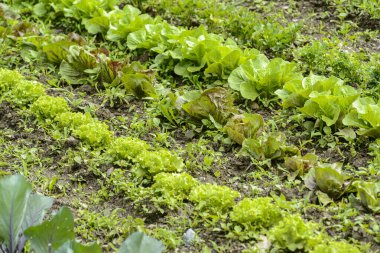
(249, 217)
(321, 57)
(198, 54)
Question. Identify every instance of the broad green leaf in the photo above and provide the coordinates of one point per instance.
(329, 180)
(14, 196)
(52, 234)
(75, 247)
(368, 193)
(138, 242)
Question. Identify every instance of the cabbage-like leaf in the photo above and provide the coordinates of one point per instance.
(368, 193)
(300, 164)
(261, 77)
(240, 127)
(366, 116)
(329, 180)
(138, 242)
(14, 196)
(216, 102)
(52, 234)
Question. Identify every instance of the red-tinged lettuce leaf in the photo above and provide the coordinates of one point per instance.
(52, 234)
(138, 242)
(240, 127)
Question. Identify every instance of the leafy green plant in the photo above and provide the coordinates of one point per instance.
(368, 194)
(8, 78)
(244, 126)
(153, 162)
(213, 198)
(260, 77)
(21, 219)
(215, 103)
(365, 115)
(48, 107)
(268, 146)
(301, 164)
(73, 120)
(327, 99)
(173, 187)
(96, 134)
(292, 233)
(329, 179)
(26, 92)
(335, 247)
(127, 148)
(255, 214)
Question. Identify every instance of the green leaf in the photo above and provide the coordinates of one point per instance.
(329, 180)
(14, 195)
(52, 234)
(75, 247)
(368, 193)
(244, 126)
(138, 242)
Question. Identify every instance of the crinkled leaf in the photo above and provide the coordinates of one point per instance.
(244, 126)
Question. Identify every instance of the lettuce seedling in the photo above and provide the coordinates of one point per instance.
(95, 134)
(73, 120)
(213, 198)
(153, 162)
(329, 179)
(26, 92)
(8, 79)
(335, 247)
(48, 107)
(292, 233)
(256, 214)
(173, 187)
(127, 148)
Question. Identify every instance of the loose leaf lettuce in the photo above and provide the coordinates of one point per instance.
(366, 116)
(241, 127)
(368, 193)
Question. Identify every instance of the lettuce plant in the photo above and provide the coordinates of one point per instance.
(95, 134)
(244, 126)
(268, 146)
(329, 179)
(213, 198)
(368, 194)
(127, 148)
(365, 115)
(256, 214)
(292, 233)
(153, 162)
(215, 103)
(8, 79)
(173, 187)
(327, 99)
(73, 120)
(335, 247)
(48, 107)
(26, 92)
(260, 77)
